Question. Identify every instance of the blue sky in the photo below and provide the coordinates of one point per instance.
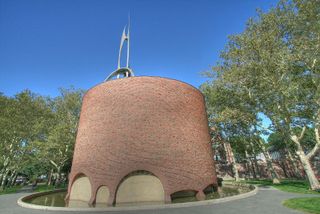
(47, 44)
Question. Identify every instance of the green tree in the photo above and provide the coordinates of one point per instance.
(235, 119)
(58, 147)
(21, 122)
(273, 68)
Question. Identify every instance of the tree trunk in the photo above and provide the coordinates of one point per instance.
(11, 178)
(4, 179)
(258, 173)
(235, 171)
(50, 177)
(3, 171)
(294, 164)
(283, 165)
(313, 181)
(13, 182)
(58, 180)
(305, 159)
(274, 176)
(231, 160)
(255, 168)
(1, 176)
(248, 163)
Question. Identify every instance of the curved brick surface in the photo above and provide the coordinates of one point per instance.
(144, 123)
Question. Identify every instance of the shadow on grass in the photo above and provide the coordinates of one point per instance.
(295, 186)
(260, 183)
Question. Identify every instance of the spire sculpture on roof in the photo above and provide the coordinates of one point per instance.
(123, 71)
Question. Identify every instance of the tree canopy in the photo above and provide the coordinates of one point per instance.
(272, 69)
(37, 134)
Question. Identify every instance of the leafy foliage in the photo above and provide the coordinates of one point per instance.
(37, 134)
(271, 69)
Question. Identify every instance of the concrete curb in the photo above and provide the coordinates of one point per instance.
(144, 207)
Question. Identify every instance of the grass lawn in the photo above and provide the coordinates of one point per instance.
(295, 186)
(310, 205)
(13, 189)
(40, 188)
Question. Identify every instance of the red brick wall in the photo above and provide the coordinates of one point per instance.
(144, 123)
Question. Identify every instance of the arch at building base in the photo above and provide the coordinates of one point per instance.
(102, 196)
(140, 188)
(80, 193)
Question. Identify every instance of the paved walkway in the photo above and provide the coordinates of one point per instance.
(266, 201)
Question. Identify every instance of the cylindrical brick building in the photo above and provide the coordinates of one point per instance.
(141, 139)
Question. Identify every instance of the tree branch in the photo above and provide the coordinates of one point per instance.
(53, 163)
(295, 139)
(317, 146)
(302, 133)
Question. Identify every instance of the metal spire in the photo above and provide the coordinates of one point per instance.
(125, 71)
(123, 39)
(128, 41)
